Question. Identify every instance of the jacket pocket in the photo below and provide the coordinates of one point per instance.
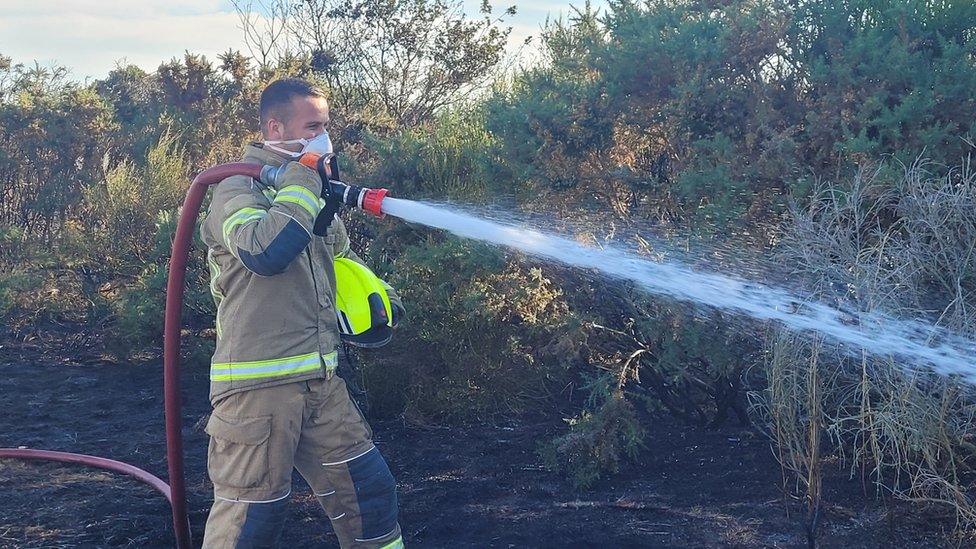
(237, 456)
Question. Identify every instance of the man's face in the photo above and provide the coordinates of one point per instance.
(305, 117)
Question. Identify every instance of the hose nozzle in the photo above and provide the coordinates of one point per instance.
(369, 200)
(364, 198)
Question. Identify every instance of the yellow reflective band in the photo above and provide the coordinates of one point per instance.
(297, 194)
(240, 217)
(256, 369)
(331, 360)
(215, 289)
(395, 544)
(214, 277)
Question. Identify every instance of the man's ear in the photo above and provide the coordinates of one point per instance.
(274, 129)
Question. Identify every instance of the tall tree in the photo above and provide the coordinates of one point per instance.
(403, 58)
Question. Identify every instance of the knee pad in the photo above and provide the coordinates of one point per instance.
(376, 494)
(263, 524)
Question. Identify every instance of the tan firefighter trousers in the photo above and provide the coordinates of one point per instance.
(258, 436)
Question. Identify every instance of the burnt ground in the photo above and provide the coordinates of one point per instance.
(478, 485)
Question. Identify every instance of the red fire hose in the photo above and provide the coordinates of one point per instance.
(175, 491)
(171, 335)
(91, 461)
(368, 199)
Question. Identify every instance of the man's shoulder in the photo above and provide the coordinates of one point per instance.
(241, 182)
(232, 194)
(235, 189)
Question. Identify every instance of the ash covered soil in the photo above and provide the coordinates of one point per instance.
(478, 485)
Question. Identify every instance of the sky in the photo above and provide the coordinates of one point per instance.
(91, 37)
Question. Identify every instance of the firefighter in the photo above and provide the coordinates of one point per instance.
(277, 403)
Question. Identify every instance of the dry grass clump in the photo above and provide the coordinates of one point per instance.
(900, 243)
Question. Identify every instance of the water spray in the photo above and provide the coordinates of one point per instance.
(915, 341)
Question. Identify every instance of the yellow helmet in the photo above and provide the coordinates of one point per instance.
(362, 305)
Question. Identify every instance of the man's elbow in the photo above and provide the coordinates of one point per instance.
(277, 255)
(262, 264)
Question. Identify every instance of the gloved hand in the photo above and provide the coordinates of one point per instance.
(333, 203)
(293, 173)
(327, 166)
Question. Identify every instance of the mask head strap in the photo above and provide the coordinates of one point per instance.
(273, 145)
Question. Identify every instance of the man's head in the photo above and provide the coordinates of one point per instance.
(292, 108)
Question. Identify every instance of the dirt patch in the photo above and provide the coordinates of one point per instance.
(470, 486)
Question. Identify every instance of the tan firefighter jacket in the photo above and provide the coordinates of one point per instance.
(273, 281)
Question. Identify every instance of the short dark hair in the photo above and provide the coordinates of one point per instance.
(279, 94)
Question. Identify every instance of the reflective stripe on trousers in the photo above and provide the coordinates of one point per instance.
(290, 365)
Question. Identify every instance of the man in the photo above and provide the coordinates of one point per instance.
(277, 402)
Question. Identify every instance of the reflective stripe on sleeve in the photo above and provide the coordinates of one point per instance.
(297, 194)
(214, 277)
(240, 217)
(233, 371)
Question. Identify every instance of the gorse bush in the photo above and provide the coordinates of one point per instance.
(11, 285)
(454, 159)
(61, 128)
(597, 441)
(885, 78)
(711, 112)
(139, 307)
(11, 239)
(476, 338)
(123, 215)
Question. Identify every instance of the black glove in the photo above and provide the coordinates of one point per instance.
(328, 169)
(332, 206)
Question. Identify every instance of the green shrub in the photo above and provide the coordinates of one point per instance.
(12, 246)
(139, 308)
(11, 285)
(711, 111)
(454, 158)
(44, 292)
(597, 440)
(481, 335)
(122, 222)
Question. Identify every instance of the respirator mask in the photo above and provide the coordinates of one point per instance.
(316, 153)
(320, 144)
